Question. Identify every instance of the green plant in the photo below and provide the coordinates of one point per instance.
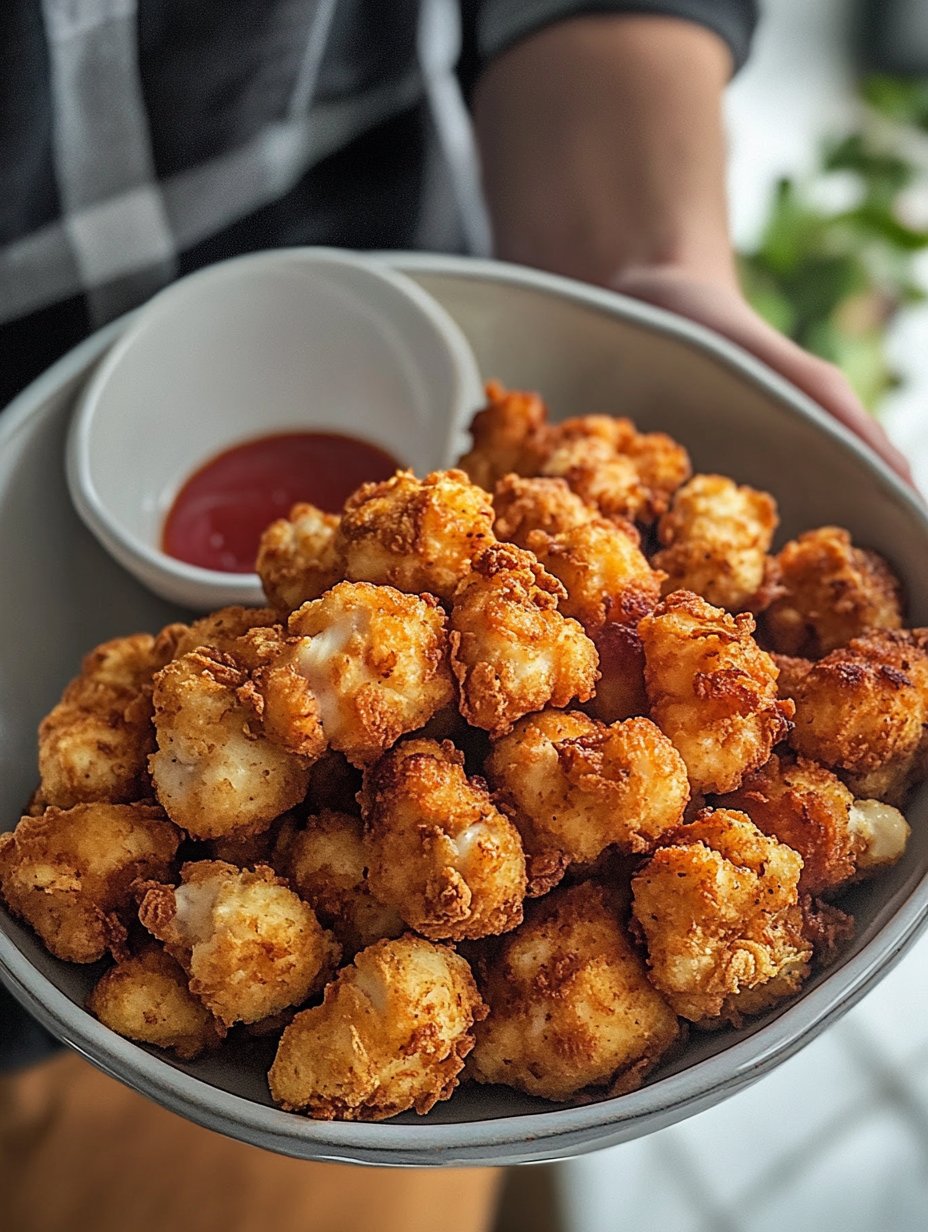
(834, 279)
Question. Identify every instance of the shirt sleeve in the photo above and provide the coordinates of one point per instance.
(500, 23)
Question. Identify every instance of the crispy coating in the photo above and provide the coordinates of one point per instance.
(297, 559)
(419, 535)
(94, 745)
(145, 998)
(603, 570)
(69, 872)
(512, 651)
(522, 505)
(831, 592)
(442, 855)
(863, 709)
(390, 1035)
(800, 803)
(712, 690)
(714, 541)
(376, 662)
(718, 907)
(571, 1008)
(278, 692)
(791, 669)
(326, 862)
(214, 770)
(249, 944)
(578, 787)
(620, 691)
(509, 435)
(610, 464)
(219, 630)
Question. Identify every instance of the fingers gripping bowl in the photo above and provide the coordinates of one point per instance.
(488, 1125)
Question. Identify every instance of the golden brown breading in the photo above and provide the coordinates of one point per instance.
(69, 872)
(522, 505)
(278, 692)
(326, 862)
(712, 690)
(512, 651)
(214, 771)
(800, 803)
(610, 464)
(442, 855)
(603, 570)
(832, 592)
(250, 945)
(509, 436)
(145, 998)
(94, 744)
(791, 669)
(219, 630)
(863, 710)
(390, 1035)
(376, 662)
(419, 535)
(715, 539)
(719, 910)
(578, 787)
(571, 1008)
(297, 560)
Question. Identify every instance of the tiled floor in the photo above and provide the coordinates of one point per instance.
(837, 1137)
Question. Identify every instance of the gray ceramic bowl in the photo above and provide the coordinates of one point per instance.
(587, 351)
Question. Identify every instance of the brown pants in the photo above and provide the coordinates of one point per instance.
(79, 1152)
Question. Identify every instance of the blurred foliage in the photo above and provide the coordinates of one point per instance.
(834, 278)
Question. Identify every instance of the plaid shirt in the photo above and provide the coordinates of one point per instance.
(141, 139)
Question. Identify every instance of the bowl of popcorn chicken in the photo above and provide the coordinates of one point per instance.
(554, 794)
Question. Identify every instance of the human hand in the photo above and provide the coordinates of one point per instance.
(720, 306)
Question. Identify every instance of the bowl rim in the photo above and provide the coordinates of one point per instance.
(549, 1133)
(152, 561)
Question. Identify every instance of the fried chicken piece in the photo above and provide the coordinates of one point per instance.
(611, 465)
(509, 435)
(512, 651)
(297, 560)
(712, 690)
(862, 710)
(715, 539)
(522, 505)
(800, 803)
(718, 907)
(442, 855)
(69, 873)
(247, 850)
(390, 1035)
(832, 592)
(94, 744)
(603, 570)
(576, 786)
(214, 770)
(419, 535)
(376, 662)
(219, 630)
(249, 944)
(620, 691)
(145, 998)
(326, 862)
(571, 1008)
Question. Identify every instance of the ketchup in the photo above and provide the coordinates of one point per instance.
(218, 515)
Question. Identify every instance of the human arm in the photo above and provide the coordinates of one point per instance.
(603, 155)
